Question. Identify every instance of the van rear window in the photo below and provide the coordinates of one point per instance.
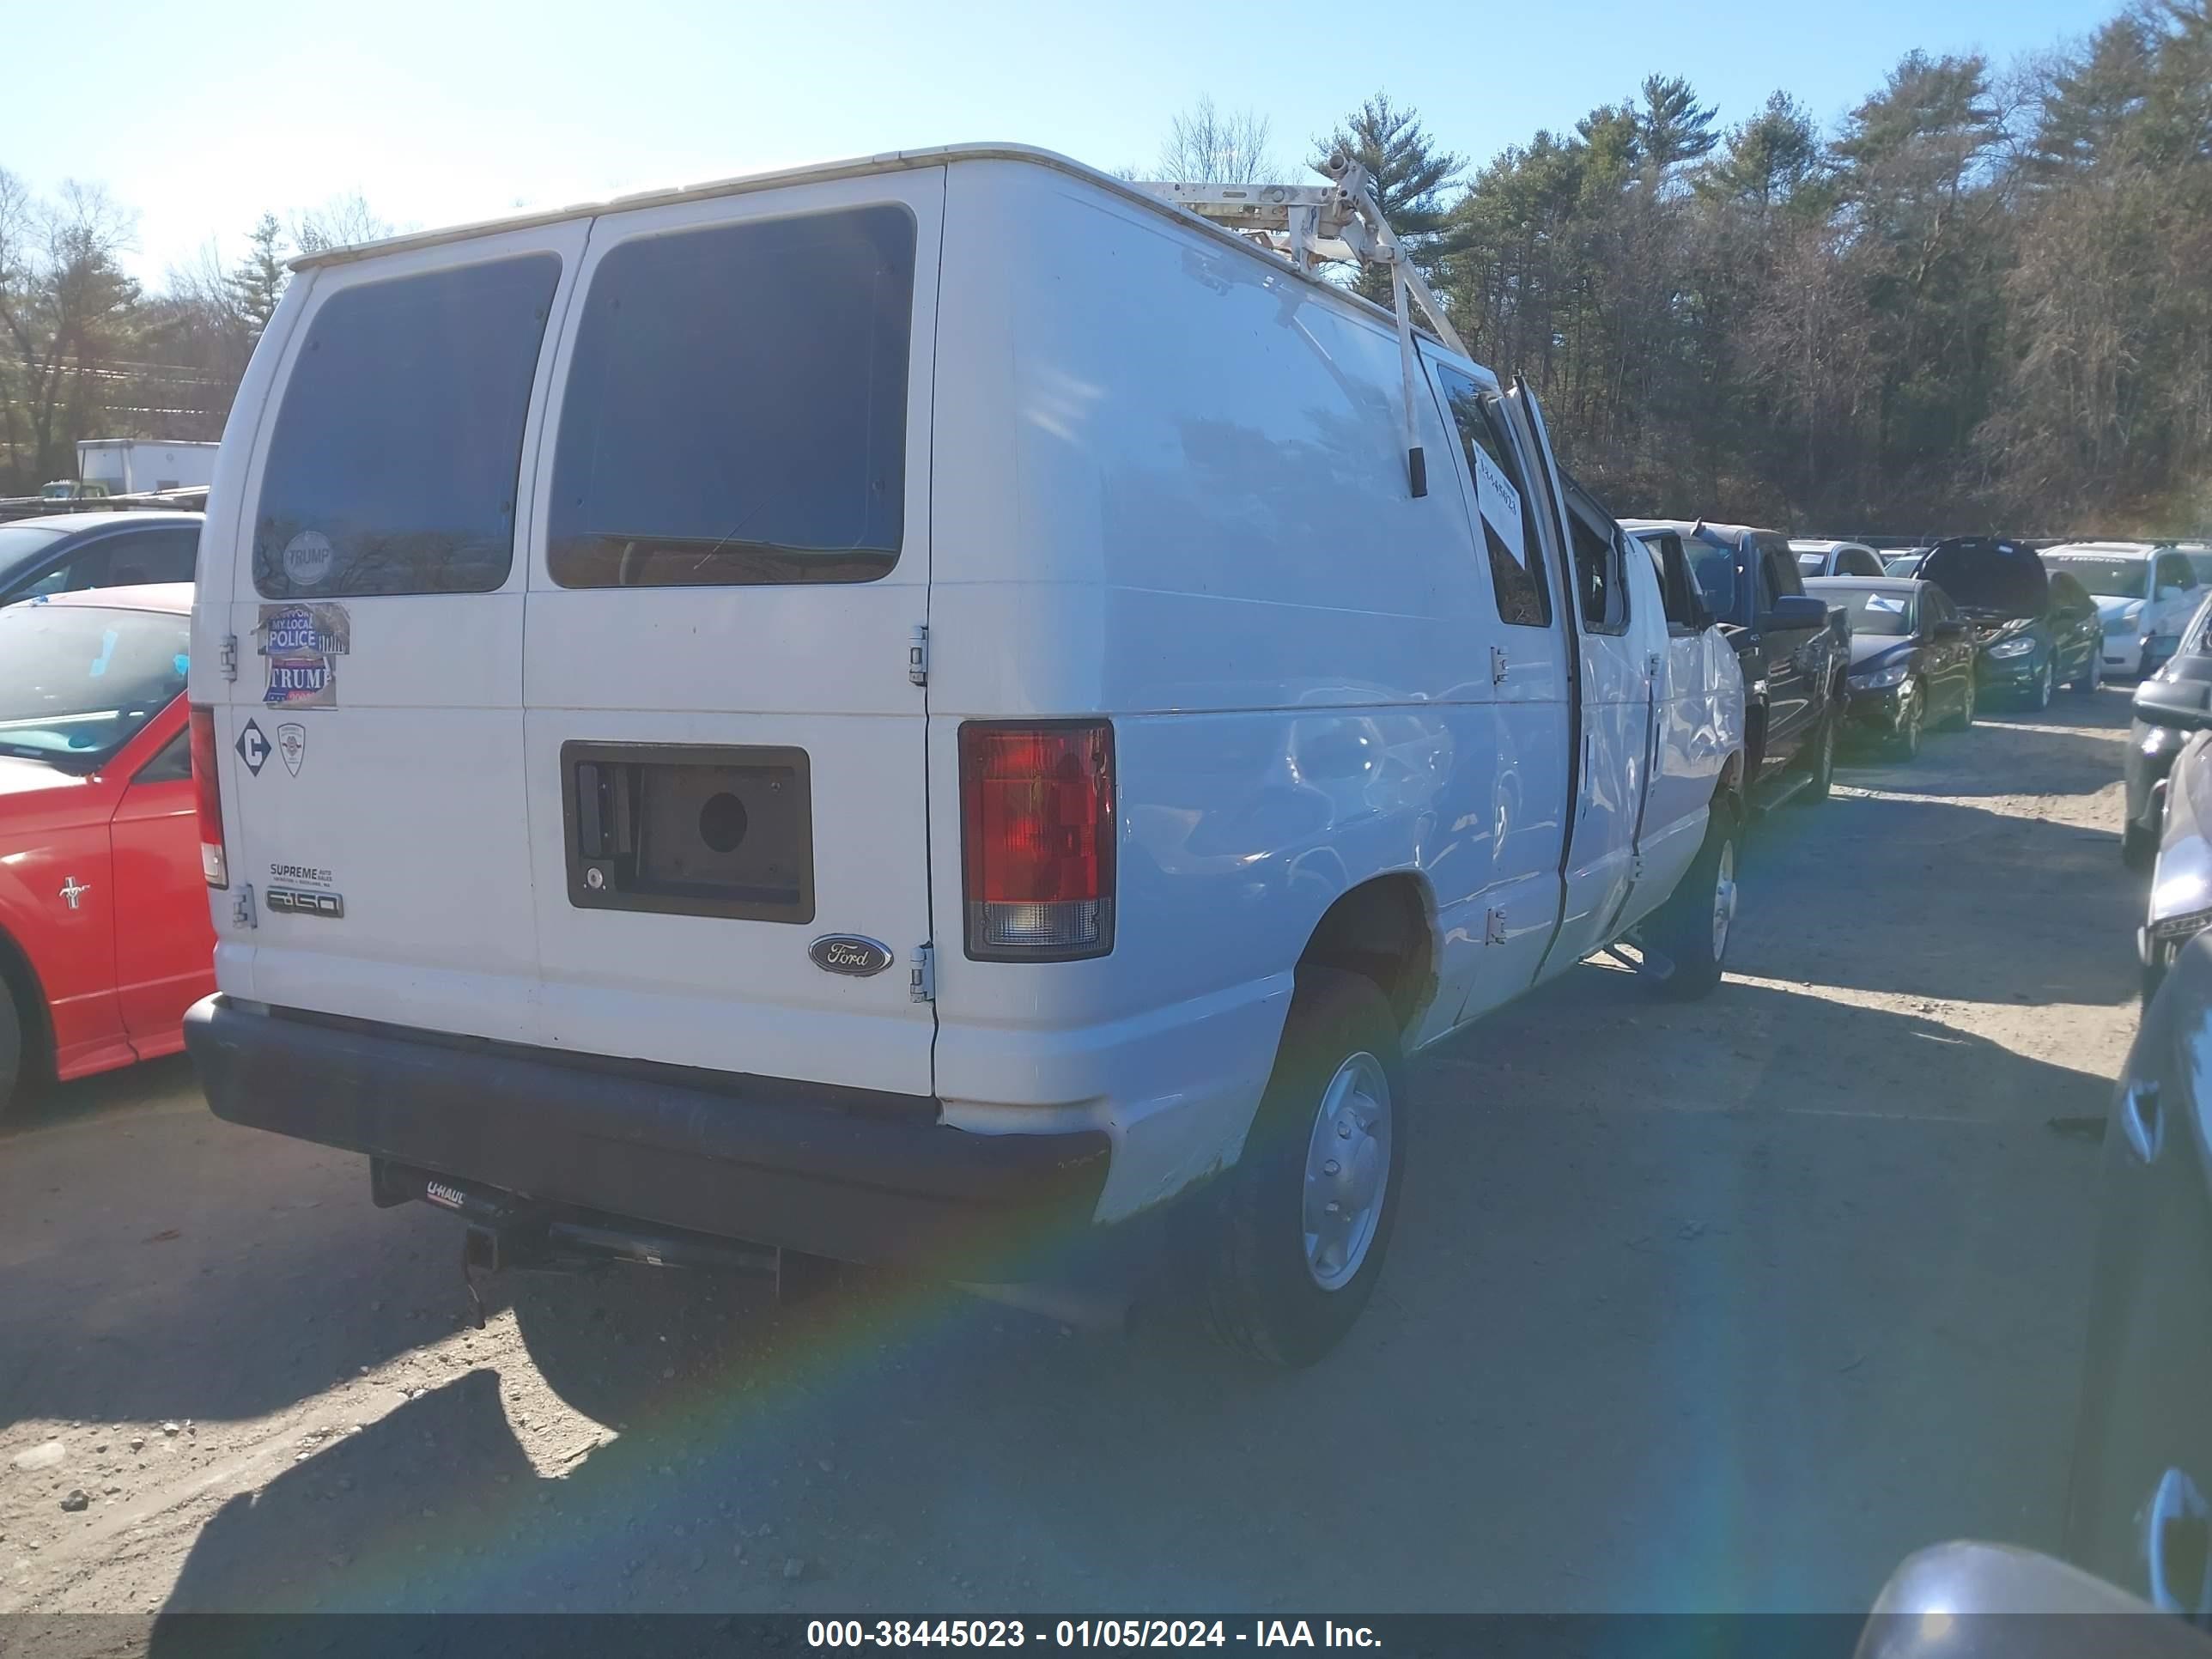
(735, 410)
(393, 463)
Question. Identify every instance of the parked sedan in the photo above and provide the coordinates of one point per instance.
(2166, 708)
(2035, 629)
(1912, 658)
(105, 939)
(2145, 596)
(65, 552)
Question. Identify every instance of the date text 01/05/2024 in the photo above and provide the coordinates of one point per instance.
(1085, 1633)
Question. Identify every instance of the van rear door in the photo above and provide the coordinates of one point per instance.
(729, 570)
(370, 743)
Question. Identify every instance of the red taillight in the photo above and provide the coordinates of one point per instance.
(207, 788)
(1036, 810)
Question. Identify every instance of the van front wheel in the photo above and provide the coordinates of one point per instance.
(1686, 941)
(1304, 1219)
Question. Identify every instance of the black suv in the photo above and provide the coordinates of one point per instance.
(1793, 652)
(2035, 628)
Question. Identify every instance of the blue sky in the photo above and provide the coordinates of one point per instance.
(201, 115)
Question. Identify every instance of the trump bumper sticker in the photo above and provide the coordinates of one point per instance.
(301, 644)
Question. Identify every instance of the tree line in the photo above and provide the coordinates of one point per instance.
(1982, 301)
(87, 351)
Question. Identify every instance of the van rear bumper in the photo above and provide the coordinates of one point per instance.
(840, 1173)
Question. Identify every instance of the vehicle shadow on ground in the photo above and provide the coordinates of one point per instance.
(1624, 1314)
(166, 1265)
(1915, 885)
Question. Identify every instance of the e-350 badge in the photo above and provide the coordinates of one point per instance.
(299, 643)
(300, 901)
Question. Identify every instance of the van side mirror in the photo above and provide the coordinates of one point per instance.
(2178, 705)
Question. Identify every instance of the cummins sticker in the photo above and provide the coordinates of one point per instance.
(301, 642)
(1499, 501)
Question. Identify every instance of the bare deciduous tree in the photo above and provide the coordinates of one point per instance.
(1207, 144)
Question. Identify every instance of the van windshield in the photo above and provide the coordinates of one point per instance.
(77, 681)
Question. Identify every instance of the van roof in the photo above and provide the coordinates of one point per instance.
(896, 161)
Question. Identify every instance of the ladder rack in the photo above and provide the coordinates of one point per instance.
(1341, 222)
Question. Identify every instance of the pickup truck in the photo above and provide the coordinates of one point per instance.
(1794, 649)
(943, 710)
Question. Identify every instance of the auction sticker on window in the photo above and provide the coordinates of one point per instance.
(301, 644)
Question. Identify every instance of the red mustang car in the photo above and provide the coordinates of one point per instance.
(105, 939)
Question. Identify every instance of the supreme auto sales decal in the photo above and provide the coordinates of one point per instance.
(302, 642)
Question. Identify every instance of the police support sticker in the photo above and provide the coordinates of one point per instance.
(301, 642)
(292, 745)
(307, 557)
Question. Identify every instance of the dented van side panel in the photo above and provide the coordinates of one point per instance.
(1172, 488)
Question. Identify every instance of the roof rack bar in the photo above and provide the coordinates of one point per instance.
(1342, 223)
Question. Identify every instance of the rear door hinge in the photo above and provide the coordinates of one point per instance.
(917, 654)
(241, 907)
(921, 976)
(1493, 927)
(230, 656)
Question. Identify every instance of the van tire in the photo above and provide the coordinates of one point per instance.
(1262, 1297)
(1685, 951)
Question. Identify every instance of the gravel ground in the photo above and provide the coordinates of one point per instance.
(1719, 1308)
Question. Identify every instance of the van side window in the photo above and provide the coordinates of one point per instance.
(736, 411)
(393, 466)
(1507, 510)
(1601, 581)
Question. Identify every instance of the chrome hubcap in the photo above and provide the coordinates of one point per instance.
(1724, 899)
(1347, 1171)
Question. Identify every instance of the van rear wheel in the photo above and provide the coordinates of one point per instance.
(1304, 1219)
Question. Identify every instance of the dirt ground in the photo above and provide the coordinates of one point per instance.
(1727, 1306)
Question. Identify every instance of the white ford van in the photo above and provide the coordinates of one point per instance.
(911, 711)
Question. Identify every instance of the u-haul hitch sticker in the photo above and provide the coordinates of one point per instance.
(300, 643)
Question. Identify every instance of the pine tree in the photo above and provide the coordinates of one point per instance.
(1671, 126)
(259, 283)
(1410, 177)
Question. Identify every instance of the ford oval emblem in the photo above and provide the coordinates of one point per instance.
(849, 953)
